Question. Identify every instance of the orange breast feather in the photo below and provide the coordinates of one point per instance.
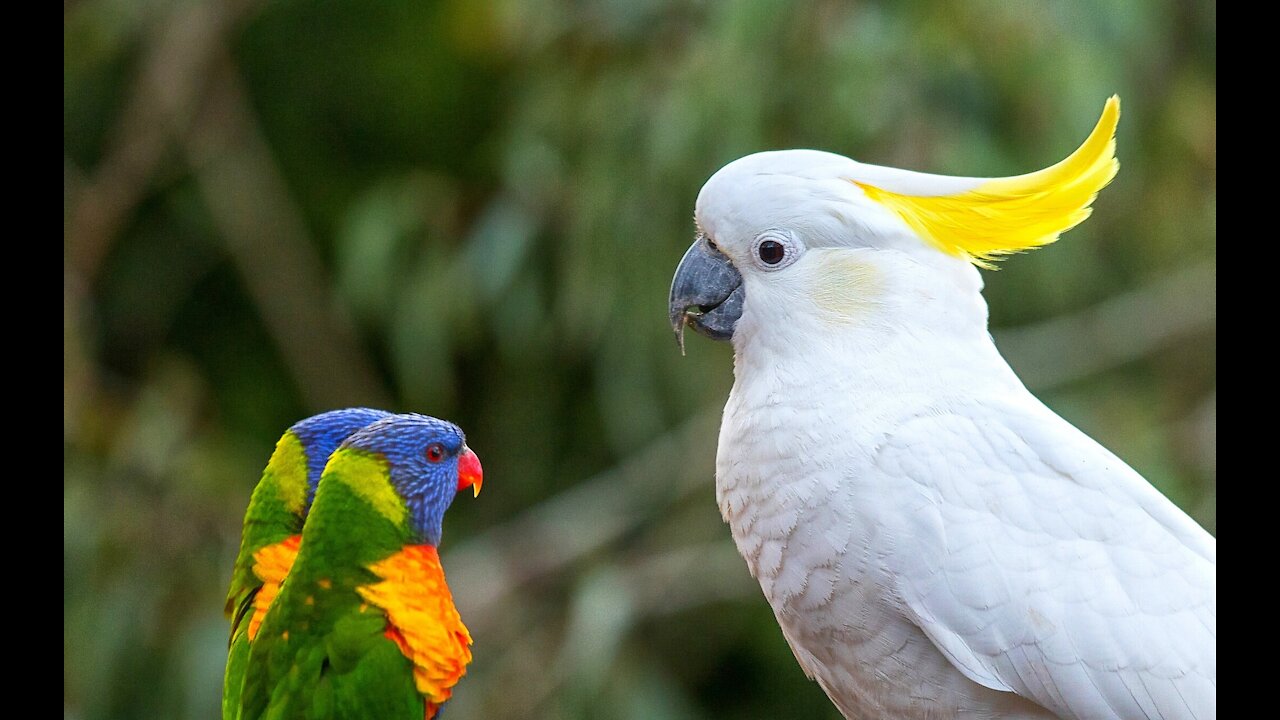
(422, 619)
(271, 564)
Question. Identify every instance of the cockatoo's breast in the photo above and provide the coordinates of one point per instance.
(795, 482)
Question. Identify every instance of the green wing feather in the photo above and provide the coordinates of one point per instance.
(321, 652)
(276, 512)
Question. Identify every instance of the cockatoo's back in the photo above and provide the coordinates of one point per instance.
(1041, 564)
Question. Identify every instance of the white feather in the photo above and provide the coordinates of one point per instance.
(934, 542)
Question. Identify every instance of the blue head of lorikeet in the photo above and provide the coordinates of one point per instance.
(429, 462)
(322, 434)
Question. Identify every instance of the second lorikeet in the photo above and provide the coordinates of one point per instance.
(366, 627)
(273, 529)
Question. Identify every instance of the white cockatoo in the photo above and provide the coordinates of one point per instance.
(934, 541)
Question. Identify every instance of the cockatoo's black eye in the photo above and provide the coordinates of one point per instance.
(775, 249)
(435, 452)
(771, 252)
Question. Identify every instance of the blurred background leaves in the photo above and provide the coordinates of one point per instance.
(473, 210)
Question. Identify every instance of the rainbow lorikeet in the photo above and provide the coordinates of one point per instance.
(366, 627)
(273, 529)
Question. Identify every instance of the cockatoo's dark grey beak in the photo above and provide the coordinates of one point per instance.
(706, 294)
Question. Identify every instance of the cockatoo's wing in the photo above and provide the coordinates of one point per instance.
(1039, 563)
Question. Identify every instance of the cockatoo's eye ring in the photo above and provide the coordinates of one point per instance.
(435, 452)
(776, 249)
(771, 252)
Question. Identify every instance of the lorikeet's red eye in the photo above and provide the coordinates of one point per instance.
(435, 452)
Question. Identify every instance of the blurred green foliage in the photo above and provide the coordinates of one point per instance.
(473, 210)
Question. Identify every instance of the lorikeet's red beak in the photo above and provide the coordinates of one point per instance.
(470, 474)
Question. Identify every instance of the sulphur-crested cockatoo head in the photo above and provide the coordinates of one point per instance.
(792, 235)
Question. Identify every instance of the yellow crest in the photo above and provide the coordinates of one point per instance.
(1001, 216)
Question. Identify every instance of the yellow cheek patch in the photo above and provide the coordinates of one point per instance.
(370, 477)
(1007, 215)
(843, 287)
(271, 564)
(421, 619)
